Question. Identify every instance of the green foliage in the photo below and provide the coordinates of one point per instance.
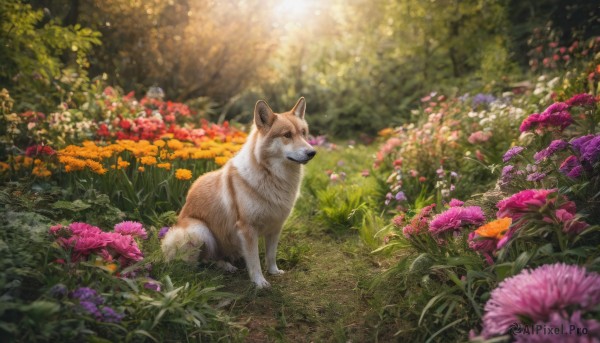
(33, 56)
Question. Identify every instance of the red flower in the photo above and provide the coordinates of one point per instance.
(36, 150)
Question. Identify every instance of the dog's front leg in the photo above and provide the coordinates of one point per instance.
(249, 242)
(271, 242)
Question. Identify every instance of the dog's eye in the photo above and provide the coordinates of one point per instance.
(287, 135)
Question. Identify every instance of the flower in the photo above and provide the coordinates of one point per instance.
(455, 203)
(512, 152)
(569, 165)
(536, 176)
(556, 116)
(419, 222)
(479, 137)
(163, 231)
(109, 315)
(58, 291)
(522, 202)
(494, 229)
(183, 174)
(400, 196)
(455, 218)
(131, 228)
(152, 285)
(555, 146)
(588, 148)
(536, 295)
(87, 294)
(582, 99)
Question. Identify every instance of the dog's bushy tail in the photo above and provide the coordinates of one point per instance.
(186, 242)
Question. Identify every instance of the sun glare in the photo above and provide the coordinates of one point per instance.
(296, 9)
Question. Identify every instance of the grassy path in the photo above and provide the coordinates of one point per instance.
(323, 296)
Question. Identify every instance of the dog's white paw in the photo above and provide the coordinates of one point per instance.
(261, 283)
(226, 266)
(276, 271)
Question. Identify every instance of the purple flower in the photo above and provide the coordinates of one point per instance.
(455, 203)
(91, 309)
(152, 285)
(108, 315)
(400, 196)
(537, 176)
(569, 164)
(535, 295)
(555, 145)
(88, 295)
(131, 228)
(484, 246)
(507, 174)
(555, 116)
(455, 218)
(582, 99)
(575, 173)
(577, 143)
(512, 152)
(388, 198)
(483, 99)
(163, 232)
(58, 291)
(590, 151)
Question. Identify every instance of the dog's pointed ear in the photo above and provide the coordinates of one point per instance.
(263, 114)
(299, 108)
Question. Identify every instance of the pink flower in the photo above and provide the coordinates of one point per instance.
(536, 295)
(524, 201)
(131, 228)
(455, 218)
(80, 229)
(582, 99)
(456, 203)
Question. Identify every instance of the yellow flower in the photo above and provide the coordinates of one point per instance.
(148, 160)
(122, 164)
(96, 167)
(159, 143)
(4, 167)
(166, 166)
(183, 174)
(495, 229)
(221, 160)
(386, 132)
(174, 144)
(41, 171)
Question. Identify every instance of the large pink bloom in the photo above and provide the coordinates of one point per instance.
(455, 218)
(536, 295)
(524, 201)
(131, 228)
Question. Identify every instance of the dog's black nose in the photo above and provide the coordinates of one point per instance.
(311, 153)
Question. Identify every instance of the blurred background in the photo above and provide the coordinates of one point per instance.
(361, 64)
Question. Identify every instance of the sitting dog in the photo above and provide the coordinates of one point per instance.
(227, 210)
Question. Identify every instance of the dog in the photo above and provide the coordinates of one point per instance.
(227, 210)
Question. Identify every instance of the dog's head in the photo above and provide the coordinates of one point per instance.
(284, 134)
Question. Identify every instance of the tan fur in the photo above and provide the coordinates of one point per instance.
(251, 196)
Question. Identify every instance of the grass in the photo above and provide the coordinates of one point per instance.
(325, 294)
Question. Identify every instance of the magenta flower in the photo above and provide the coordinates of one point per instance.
(484, 246)
(125, 247)
(556, 116)
(512, 152)
(536, 295)
(131, 228)
(523, 202)
(555, 146)
(79, 229)
(582, 99)
(455, 203)
(455, 218)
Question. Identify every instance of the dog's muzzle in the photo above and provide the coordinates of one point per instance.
(309, 154)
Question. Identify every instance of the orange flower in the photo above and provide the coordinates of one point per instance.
(386, 132)
(166, 166)
(141, 169)
(495, 229)
(183, 174)
(148, 160)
